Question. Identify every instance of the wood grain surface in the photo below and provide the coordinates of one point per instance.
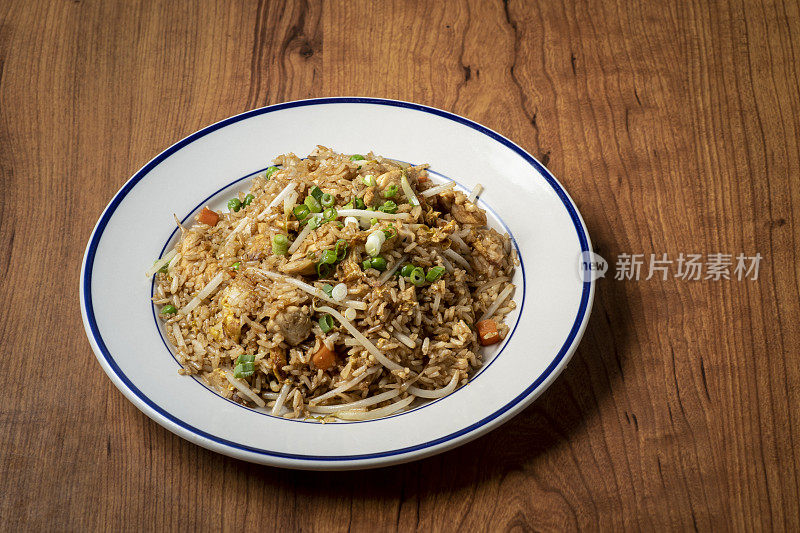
(674, 125)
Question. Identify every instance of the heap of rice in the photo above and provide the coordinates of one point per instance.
(394, 341)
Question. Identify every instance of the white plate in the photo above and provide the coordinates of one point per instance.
(520, 195)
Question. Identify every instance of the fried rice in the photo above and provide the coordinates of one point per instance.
(338, 287)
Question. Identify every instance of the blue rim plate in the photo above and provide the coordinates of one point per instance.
(522, 198)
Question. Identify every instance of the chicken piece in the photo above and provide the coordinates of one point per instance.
(235, 299)
(188, 243)
(232, 327)
(444, 200)
(369, 196)
(435, 235)
(277, 356)
(237, 295)
(303, 266)
(388, 179)
(258, 247)
(468, 213)
(349, 271)
(292, 323)
(430, 216)
(488, 243)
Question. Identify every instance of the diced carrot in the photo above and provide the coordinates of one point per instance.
(324, 358)
(207, 216)
(487, 332)
(423, 178)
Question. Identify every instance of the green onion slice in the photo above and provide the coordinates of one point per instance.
(280, 244)
(301, 211)
(316, 192)
(389, 231)
(378, 263)
(417, 276)
(327, 289)
(326, 323)
(246, 358)
(243, 370)
(327, 200)
(388, 207)
(329, 257)
(341, 249)
(434, 273)
(313, 204)
(329, 214)
(324, 269)
(270, 171)
(315, 221)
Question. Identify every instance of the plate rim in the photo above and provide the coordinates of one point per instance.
(382, 458)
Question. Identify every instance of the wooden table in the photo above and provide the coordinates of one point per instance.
(675, 127)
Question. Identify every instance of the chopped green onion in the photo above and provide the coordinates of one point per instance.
(341, 249)
(248, 199)
(378, 263)
(327, 289)
(236, 265)
(168, 309)
(316, 192)
(234, 204)
(163, 269)
(270, 171)
(369, 180)
(245, 358)
(244, 370)
(407, 269)
(388, 207)
(280, 244)
(417, 276)
(390, 191)
(328, 256)
(326, 323)
(324, 269)
(434, 274)
(389, 231)
(313, 204)
(356, 157)
(315, 221)
(348, 205)
(359, 203)
(301, 211)
(327, 200)
(373, 221)
(329, 214)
